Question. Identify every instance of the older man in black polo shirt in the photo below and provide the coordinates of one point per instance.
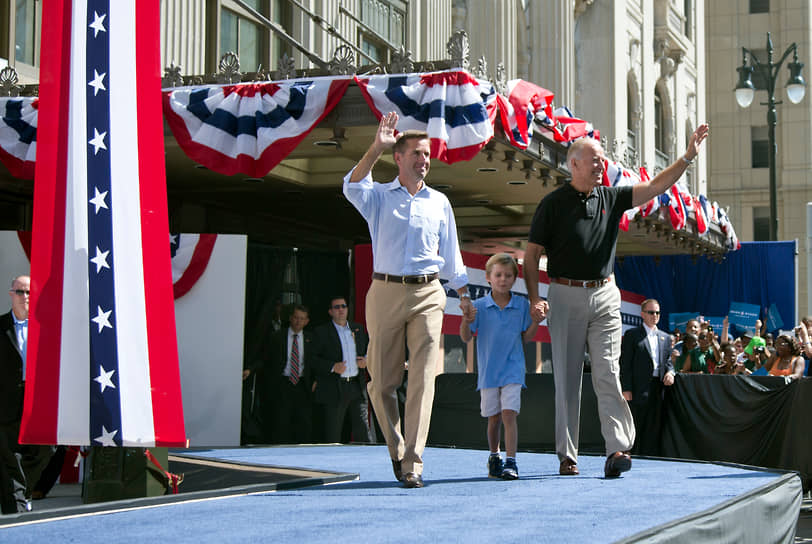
(577, 226)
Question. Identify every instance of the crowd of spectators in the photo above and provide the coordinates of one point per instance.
(701, 350)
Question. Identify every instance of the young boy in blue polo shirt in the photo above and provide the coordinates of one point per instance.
(503, 325)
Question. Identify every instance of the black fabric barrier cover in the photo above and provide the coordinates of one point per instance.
(759, 421)
(455, 419)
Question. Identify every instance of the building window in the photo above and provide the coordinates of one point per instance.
(631, 125)
(759, 6)
(688, 12)
(242, 36)
(661, 155)
(25, 17)
(759, 147)
(761, 223)
(387, 21)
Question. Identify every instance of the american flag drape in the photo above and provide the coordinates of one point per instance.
(102, 351)
(454, 108)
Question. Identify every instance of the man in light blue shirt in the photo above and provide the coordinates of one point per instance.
(414, 242)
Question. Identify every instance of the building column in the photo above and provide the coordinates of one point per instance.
(551, 40)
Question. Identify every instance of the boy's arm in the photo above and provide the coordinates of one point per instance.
(530, 333)
(465, 324)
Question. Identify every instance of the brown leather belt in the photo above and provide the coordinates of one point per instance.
(587, 284)
(419, 279)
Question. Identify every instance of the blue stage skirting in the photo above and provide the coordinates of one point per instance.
(657, 501)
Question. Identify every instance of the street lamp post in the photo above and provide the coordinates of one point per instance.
(796, 88)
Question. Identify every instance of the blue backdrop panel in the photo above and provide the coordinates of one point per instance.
(760, 273)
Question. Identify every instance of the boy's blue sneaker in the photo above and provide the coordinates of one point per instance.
(510, 471)
(495, 466)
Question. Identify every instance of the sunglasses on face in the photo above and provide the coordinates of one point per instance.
(339, 306)
(20, 292)
(652, 312)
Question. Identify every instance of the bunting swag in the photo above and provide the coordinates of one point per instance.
(190, 256)
(456, 109)
(616, 175)
(102, 353)
(519, 108)
(18, 135)
(251, 127)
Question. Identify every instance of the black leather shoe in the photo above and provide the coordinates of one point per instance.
(616, 463)
(412, 480)
(397, 470)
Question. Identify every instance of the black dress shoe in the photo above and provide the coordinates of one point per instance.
(412, 480)
(616, 463)
(397, 470)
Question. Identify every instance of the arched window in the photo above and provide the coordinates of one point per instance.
(632, 154)
(660, 150)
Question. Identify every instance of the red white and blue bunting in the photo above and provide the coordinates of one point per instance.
(249, 128)
(18, 135)
(523, 103)
(454, 108)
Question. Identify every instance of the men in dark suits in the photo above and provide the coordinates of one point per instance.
(21, 465)
(339, 369)
(645, 364)
(288, 378)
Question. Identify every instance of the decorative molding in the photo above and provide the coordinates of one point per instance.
(262, 74)
(172, 77)
(401, 61)
(501, 79)
(481, 70)
(459, 50)
(634, 50)
(342, 62)
(286, 68)
(228, 69)
(8, 82)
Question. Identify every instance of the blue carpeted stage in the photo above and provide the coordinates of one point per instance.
(657, 501)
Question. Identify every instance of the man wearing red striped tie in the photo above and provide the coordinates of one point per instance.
(288, 401)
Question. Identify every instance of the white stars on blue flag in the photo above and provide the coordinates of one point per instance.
(98, 24)
(102, 319)
(97, 82)
(98, 141)
(105, 402)
(100, 260)
(104, 378)
(106, 438)
(98, 200)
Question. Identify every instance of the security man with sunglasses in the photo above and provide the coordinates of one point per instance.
(645, 367)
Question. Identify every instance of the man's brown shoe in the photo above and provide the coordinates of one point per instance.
(568, 467)
(412, 480)
(618, 462)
